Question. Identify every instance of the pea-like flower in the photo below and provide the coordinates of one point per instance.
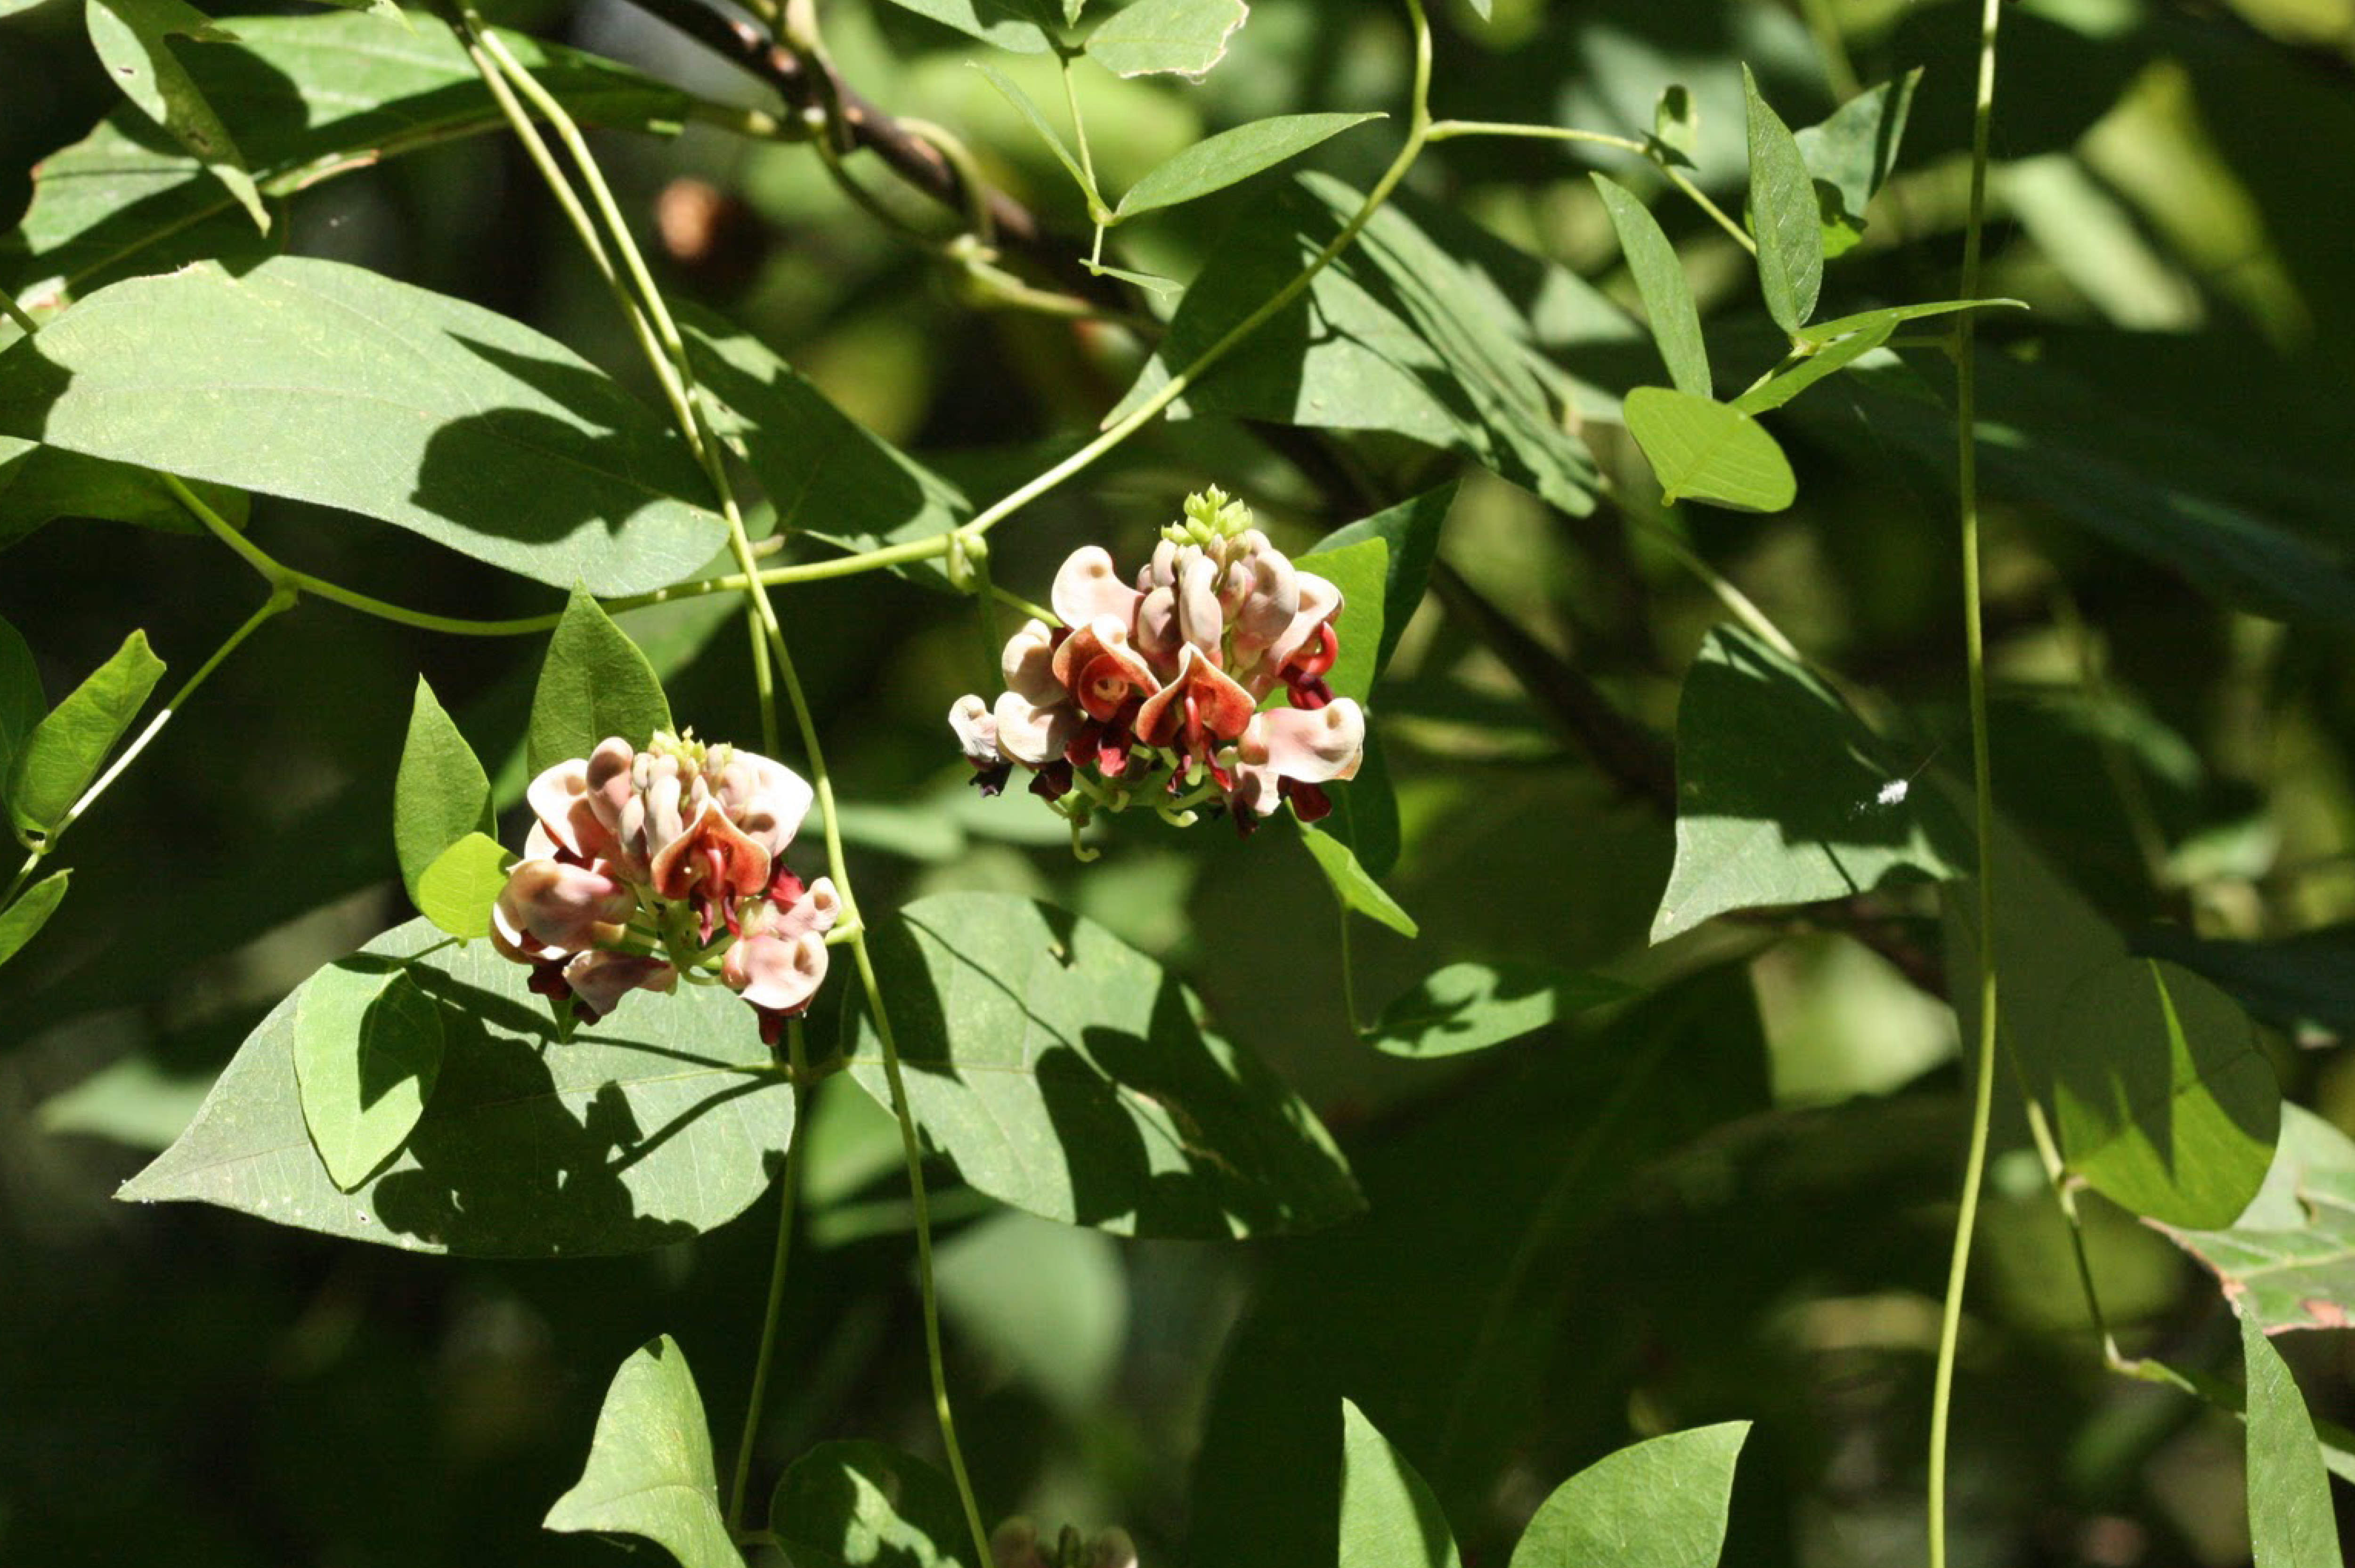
(644, 865)
(1155, 692)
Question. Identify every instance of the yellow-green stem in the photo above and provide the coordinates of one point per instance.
(1983, 790)
(788, 1199)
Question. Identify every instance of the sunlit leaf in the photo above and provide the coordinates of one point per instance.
(1706, 450)
(1853, 153)
(1656, 1504)
(1469, 1007)
(649, 1471)
(1412, 531)
(1783, 215)
(1022, 26)
(1181, 38)
(59, 759)
(1231, 156)
(1794, 378)
(663, 1121)
(594, 684)
(1388, 1518)
(1361, 571)
(1036, 119)
(1896, 315)
(2292, 1524)
(457, 890)
(1354, 887)
(1676, 122)
(1660, 279)
(132, 38)
(2288, 1262)
(439, 794)
(23, 921)
(328, 383)
(865, 1505)
(368, 1049)
(1064, 1073)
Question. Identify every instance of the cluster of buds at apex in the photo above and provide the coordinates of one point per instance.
(1017, 1543)
(1152, 694)
(646, 865)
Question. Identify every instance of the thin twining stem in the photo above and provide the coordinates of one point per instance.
(1449, 130)
(788, 1200)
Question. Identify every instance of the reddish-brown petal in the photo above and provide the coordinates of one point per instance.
(712, 855)
(1203, 699)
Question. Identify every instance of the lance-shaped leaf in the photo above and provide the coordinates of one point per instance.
(1469, 1007)
(328, 383)
(23, 921)
(1388, 1518)
(457, 890)
(1783, 216)
(39, 484)
(1354, 885)
(1789, 380)
(865, 1505)
(132, 38)
(1064, 1073)
(1230, 157)
(2291, 1521)
(594, 684)
(439, 794)
(1660, 280)
(662, 1122)
(1656, 1504)
(1179, 38)
(312, 98)
(1702, 449)
(368, 1049)
(650, 1472)
(1036, 119)
(1896, 315)
(1021, 26)
(1784, 796)
(1410, 529)
(56, 761)
(1853, 153)
(2290, 1261)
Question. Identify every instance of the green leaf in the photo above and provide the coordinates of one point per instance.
(2291, 1521)
(23, 921)
(368, 1049)
(1896, 315)
(1469, 1007)
(331, 384)
(1388, 1518)
(1660, 279)
(1853, 153)
(1031, 113)
(1064, 1073)
(1153, 283)
(1366, 812)
(1784, 796)
(1656, 1504)
(1676, 122)
(133, 40)
(2288, 1262)
(1789, 381)
(1783, 216)
(1046, 1303)
(457, 890)
(1018, 26)
(439, 795)
(56, 762)
(593, 683)
(866, 1505)
(23, 704)
(1428, 328)
(1481, 8)
(1181, 38)
(660, 1123)
(1410, 529)
(1353, 887)
(649, 1471)
(1230, 157)
(1706, 450)
(2305, 982)
(39, 484)
(1361, 571)
(313, 98)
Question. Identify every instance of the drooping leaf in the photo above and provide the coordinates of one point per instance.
(1354, 887)
(1036, 118)
(1656, 1504)
(58, 760)
(2288, 1262)
(368, 1049)
(23, 921)
(1019, 27)
(39, 484)
(650, 1472)
(132, 38)
(1469, 1007)
(865, 1505)
(1230, 157)
(1784, 796)
(660, 1123)
(457, 890)
(23, 702)
(1361, 571)
(1853, 153)
(439, 794)
(1412, 531)
(1897, 315)
(1783, 215)
(1789, 381)
(1388, 1518)
(1179, 37)
(1706, 450)
(332, 384)
(312, 98)
(1063, 1073)
(2291, 1521)
(1660, 279)
(1419, 330)
(594, 684)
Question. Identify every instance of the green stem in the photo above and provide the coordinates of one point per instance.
(1417, 132)
(1450, 130)
(18, 313)
(788, 1199)
(1982, 784)
(1741, 605)
(1079, 136)
(1349, 976)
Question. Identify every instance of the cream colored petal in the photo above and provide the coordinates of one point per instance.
(1031, 734)
(976, 732)
(776, 972)
(1029, 663)
(1089, 586)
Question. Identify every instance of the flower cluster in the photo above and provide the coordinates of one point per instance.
(1153, 693)
(644, 865)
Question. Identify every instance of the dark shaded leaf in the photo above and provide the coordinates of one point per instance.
(1469, 1007)
(23, 921)
(39, 484)
(865, 1505)
(1021, 26)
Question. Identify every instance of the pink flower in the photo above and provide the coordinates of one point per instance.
(780, 957)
